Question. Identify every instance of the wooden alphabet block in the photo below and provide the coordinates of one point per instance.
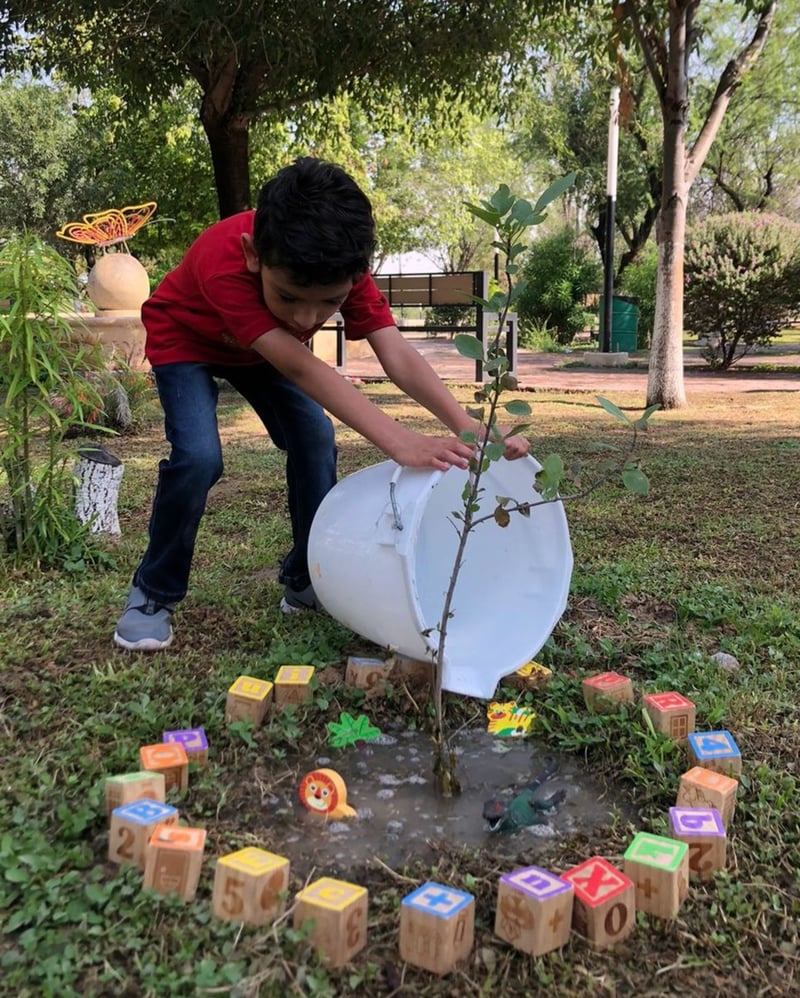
(437, 927)
(170, 759)
(371, 674)
(133, 786)
(194, 742)
(338, 911)
(132, 825)
(174, 859)
(605, 691)
(702, 787)
(715, 750)
(534, 910)
(605, 902)
(659, 868)
(248, 700)
(701, 828)
(531, 676)
(413, 672)
(293, 684)
(671, 713)
(250, 886)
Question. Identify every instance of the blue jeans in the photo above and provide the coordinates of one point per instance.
(296, 424)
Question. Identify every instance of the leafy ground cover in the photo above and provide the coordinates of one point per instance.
(709, 561)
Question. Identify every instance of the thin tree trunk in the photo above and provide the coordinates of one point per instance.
(229, 143)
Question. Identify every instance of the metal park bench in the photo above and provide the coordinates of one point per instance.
(426, 291)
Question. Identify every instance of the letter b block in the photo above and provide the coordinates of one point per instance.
(659, 867)
(248, 885)
(338, 911)
(715, 750)
(605, 902)
(437, 927)
(534, 910)
(701, 828)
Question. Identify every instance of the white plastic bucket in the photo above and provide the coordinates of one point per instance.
(381, 555)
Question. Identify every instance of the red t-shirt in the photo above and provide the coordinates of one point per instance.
(210, 308)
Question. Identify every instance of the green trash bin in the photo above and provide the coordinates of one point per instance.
(624, 323)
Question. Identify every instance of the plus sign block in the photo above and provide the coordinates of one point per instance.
(605, 902)
(702, 830)
(293, 684)
(248, 700)
(701, 787)
(194, 742)
(338, 913)
(250, 886)
(131, 827)
(715, 750)
(437, 927)
(173, 860)
(671, 713)
(170, 759)
(129, 787)
(534, 910)
(604, 692)
(659, 868)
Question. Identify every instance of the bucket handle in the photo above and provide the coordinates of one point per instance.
(398, 523)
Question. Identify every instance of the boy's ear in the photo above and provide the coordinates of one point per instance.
(250, 254)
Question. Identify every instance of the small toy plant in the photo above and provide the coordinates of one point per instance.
(511, 217)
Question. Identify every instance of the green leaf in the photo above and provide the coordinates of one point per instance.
(492, 217)
(614, 410)
(522, 212)
(494, 451)
(469, 346)
(468, 437)
(517, 407)
(555, 190)
(635, 481)
(502, 200)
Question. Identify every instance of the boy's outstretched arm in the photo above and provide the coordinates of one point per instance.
(339, 397)
(409, 370)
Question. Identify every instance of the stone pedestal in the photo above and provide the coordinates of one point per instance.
(119, 332)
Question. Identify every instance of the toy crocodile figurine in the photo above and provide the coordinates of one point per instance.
(526, 807)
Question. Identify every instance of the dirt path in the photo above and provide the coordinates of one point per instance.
(546, 371)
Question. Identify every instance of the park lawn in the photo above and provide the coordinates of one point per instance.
(708, 561)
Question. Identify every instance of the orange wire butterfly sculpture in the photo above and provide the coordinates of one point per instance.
(107, 228)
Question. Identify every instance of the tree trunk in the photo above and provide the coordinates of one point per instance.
(229, 142)
(98, 474)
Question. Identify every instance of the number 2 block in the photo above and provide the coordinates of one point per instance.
(250, 886)
(131, 827)
(605, 902)
(701, 828)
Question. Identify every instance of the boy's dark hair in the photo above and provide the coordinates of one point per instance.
(313, 220)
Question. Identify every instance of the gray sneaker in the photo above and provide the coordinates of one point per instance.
(145, 625)
(298, 600)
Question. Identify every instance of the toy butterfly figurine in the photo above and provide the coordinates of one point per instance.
(106, 228)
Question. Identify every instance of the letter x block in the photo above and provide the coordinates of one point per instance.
(132, 826)
(133, 786)
(173, 860)
(671, 713)
(250, 886)
(605, 902)
(437, 927)
(170, 759)
(605, 691)
(248, 700)
(534, 910)
(194, 742)
(293, 684)
(659, 867)
(702, 830)
(704, 788)
(715, 750)
(338, 911)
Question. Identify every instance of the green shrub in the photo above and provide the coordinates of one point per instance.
(742, 274)
(638, 281)
(561, 271)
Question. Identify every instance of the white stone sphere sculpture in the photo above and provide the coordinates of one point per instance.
(118, 282)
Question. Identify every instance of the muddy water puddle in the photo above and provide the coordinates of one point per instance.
(398, 813)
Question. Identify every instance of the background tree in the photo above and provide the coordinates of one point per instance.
(268, 57)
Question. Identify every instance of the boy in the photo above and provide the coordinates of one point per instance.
(251, 290)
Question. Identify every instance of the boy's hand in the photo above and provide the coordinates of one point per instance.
(418, 450)
(516, 447)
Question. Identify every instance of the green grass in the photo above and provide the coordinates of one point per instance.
(708, 561)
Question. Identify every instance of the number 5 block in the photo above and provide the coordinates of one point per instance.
(250, 886)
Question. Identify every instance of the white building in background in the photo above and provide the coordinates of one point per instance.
(408, 263)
